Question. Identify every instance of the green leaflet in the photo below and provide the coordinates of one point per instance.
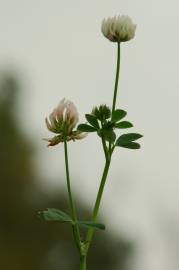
(86, 128)
(127, 140)
(118, 114)
(90, 224)
(92, 120)
(52, 214)
(130, 137)
(129, 145)
(124, 124)
(109, 135)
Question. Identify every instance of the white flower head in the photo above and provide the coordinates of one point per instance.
(118, 29)
(62, 121)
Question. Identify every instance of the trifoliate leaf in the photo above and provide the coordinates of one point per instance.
(124, 124)
(86, 128)
(92, 120)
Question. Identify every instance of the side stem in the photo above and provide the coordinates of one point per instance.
(76, 232)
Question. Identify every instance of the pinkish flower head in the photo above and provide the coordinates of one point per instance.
(62, 121)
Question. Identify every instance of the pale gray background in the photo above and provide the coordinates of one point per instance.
(58, 49)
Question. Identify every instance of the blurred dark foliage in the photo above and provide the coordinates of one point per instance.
(27, 243)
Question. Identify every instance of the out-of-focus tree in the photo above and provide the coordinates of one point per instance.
(25, 241)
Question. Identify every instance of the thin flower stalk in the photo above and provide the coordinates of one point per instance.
(75, 227)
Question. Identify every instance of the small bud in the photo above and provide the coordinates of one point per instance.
(102, 112)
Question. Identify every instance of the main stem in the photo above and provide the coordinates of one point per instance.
(97, 203)
(76, 232)
(83, 262)
(117, 77)
(108, 152)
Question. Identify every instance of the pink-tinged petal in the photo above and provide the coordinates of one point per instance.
(52, 118)
(48, 124)
(71, 114)
(61, 104)
(60, 110)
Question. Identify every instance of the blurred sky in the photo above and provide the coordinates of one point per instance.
(57, 49)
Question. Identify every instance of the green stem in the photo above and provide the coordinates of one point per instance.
(108, 152)
(83, 263)
(76, 232)
(116, 82)
(97, 203)
(105, 148)
(117, 77)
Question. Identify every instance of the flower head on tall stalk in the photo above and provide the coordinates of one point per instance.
(62, 121)
(118, 29)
